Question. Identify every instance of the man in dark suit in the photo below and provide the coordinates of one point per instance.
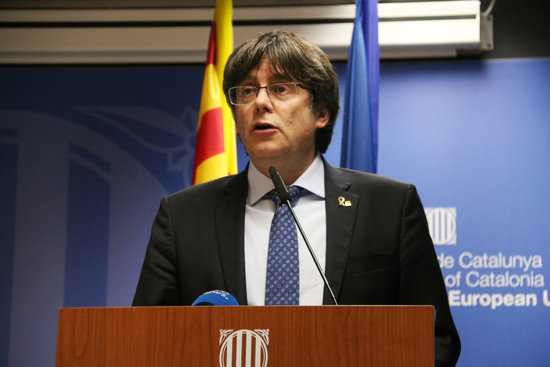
(370, 232)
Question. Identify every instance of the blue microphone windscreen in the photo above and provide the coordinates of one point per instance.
(216, 298)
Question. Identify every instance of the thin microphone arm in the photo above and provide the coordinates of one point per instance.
(284, 196)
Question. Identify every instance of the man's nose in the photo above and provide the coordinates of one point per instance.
(262, 99)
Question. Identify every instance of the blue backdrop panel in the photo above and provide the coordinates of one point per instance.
(8, 167)
(87, 233)
(93, 151)
(473, 136)
(87, 153)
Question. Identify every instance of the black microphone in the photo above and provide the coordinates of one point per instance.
(285, 197)
(216, 298)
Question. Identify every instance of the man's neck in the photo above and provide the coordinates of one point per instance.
(289, 171)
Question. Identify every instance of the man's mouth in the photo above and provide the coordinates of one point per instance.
(263, 126)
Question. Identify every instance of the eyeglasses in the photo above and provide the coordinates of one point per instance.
(246, 94)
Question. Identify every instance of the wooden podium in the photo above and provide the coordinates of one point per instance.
(235, 336)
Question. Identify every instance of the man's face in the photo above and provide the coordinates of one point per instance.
(272, 130)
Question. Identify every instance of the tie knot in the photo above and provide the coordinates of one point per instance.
(294, 191)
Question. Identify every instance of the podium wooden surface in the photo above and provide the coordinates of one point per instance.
(298, 335)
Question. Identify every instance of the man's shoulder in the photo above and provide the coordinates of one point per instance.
(346, 176)
(211, 190)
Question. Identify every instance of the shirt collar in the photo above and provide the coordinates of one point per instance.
(313, 180)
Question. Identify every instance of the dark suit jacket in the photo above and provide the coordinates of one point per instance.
(379, 251)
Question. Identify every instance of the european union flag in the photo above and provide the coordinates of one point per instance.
(360, 130)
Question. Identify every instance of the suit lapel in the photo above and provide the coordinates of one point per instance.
(229, 218)
(341, 208)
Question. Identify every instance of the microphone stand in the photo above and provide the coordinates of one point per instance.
(284, 195)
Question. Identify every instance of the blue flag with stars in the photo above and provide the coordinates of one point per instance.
(360, 130)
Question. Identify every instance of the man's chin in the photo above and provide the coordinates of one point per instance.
(265, 153)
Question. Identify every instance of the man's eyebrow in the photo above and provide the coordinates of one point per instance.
(280, 76)
(272, 80)
(275, 77)
(247, 82)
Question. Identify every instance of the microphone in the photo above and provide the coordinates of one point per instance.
(285, 197)
(216, 298)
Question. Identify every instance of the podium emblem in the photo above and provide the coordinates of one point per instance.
(243, 348)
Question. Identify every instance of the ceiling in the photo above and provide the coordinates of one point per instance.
(95, 4)
(520, 28)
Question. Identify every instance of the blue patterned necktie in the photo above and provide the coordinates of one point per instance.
(282, 284)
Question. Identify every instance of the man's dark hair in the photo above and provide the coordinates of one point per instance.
(295, 59)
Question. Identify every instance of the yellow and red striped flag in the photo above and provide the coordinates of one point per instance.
(216, 145)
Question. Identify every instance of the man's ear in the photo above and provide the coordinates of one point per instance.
(322, 118)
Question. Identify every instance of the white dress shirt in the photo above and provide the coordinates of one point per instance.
(310, 210)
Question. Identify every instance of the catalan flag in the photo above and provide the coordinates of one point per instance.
(215, 147)
(360, 125)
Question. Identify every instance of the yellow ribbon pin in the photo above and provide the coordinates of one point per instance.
(343, 202)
